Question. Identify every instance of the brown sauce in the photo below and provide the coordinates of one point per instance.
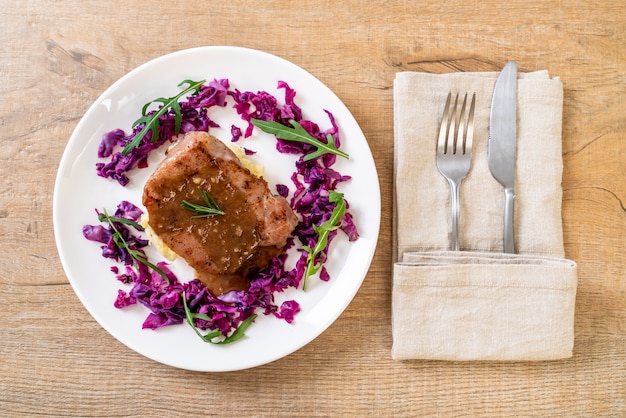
(219, 284)
(231, 239)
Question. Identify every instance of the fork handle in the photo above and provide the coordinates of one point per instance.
(454, 241)
(509, 235)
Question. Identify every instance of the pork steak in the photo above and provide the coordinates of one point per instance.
(223, 249)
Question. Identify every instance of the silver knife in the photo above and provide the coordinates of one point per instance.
(503, 144)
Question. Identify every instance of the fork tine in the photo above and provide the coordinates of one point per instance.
(442, 141)
(454, 126)
(469, 132)
(461, 126)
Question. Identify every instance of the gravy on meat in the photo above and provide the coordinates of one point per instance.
(223, 249)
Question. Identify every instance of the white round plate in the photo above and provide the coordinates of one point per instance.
(79, 191)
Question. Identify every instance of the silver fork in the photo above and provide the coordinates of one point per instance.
(454, 151)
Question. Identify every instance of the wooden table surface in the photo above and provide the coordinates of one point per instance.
(57, 57)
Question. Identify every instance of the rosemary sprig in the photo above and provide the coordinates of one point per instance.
(120, 242)
(323, 232)
(299, 134)
(208, 338)
(210, 208)
(152, 121)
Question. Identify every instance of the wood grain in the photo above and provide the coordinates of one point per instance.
(56, 58)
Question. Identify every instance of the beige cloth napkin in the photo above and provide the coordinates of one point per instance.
(479, 304)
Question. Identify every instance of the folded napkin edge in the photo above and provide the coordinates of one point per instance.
(522, 276)
(537, 74)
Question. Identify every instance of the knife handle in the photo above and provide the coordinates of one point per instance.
(509, 236)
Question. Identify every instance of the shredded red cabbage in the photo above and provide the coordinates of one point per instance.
(312, 180)
(194, 118)
(163, 299)
(110, 249)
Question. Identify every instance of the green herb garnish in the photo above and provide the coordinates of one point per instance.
(299, 134)
(104, 217)
(118, 239)
(152, 121)
(208, 338)
(323, 232)
(210, 207)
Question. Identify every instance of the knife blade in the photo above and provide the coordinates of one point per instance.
(503, 144)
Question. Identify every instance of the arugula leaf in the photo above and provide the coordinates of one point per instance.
(237, 334)
(152, 121)
(104, 217)
(299, 134)
(118, 239)
(323, 231)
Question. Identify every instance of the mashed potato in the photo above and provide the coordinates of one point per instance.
(256, 169)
